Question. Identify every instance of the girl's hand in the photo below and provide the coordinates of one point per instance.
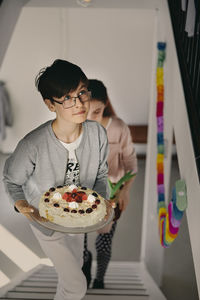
(123, 199)
(111, 203)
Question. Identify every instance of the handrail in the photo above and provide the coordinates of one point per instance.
(188, 52)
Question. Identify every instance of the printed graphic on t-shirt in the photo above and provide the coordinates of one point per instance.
(72, 173)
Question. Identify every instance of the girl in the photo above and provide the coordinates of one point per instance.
(121, 159)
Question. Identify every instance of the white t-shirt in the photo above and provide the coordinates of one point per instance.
(73, 168)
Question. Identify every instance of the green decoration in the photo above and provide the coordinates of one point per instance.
(114, 187)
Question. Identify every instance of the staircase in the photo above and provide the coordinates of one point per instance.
(124, 280)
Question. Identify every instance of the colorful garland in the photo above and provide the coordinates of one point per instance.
(169, 220)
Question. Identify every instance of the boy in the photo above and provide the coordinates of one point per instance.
(63, 151)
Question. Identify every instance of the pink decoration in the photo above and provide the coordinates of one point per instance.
(160, 179)
(159, 111)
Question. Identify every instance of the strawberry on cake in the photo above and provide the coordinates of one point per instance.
(72, 206)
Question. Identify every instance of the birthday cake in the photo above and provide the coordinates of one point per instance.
(72, 206)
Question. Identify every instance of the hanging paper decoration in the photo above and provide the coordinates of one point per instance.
(169, 220)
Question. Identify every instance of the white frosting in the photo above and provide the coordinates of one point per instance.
(91, 199)
(72, 186)
(57, 196)
(73, 204)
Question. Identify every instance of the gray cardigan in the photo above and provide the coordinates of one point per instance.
(39, 162)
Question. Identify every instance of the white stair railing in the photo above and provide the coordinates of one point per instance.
(176, 119)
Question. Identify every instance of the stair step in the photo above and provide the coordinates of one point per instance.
(38, 283)
(53, 289)
(54, 284)
(118, 292)
(114, 270)
(121, 275)
(106, 291)
(115, 297)
(24, 295)
(97, 297)
(45, 295)
(110, 279)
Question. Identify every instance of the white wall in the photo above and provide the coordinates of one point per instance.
(9, 12)
(30, 49)
(114, 45)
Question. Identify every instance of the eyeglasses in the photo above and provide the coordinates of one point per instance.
(69, 102)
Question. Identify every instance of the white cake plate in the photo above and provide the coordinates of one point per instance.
(107, 219)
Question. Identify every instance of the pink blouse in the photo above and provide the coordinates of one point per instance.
(122, 156)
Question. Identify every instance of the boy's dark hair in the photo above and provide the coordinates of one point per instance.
(99, 92)
(59, 79)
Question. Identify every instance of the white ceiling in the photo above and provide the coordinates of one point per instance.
(136, 4)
